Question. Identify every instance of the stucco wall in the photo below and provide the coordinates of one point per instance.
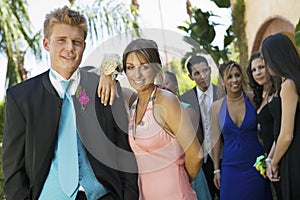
(259, 11)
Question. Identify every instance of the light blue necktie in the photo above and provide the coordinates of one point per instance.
(68, 170)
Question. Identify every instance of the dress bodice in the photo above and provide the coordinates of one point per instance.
(269, 119)
(160, 158)
(241, 145)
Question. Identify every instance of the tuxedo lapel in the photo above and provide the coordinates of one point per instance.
(47, 107)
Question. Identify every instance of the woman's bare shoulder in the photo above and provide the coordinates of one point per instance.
(165, 97)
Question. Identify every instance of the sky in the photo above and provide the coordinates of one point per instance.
(172, 15)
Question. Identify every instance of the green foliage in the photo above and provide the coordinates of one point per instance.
(16, 36)
(222, 3)
(238, 23)
(297, 35)
(2, 118)
(184, 82)
(109, 17)
(201, 34)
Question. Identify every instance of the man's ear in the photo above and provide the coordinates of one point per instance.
(191, 77)
(46, 44)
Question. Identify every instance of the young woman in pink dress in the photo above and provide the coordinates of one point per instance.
(160, 131)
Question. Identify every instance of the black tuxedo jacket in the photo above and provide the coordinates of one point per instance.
(30, 136)
(191, 98)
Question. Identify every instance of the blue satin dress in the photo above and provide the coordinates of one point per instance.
(239, 179)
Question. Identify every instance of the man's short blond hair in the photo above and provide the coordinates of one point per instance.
(66, 16)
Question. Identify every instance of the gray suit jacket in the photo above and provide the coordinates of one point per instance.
(191, 98)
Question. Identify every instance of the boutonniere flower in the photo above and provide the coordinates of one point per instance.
(83, 98)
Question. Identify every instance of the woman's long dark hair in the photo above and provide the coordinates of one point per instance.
(281, 56)
(256, 88)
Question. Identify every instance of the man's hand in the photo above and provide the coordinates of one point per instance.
(107, 89)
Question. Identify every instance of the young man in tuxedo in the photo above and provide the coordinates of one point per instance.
(36, 149)
(200, 98)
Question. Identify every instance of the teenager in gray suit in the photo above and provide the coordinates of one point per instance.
(32, 145)
(200, 98)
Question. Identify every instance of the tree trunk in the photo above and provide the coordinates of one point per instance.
(22, 71)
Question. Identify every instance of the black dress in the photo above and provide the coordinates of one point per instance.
(290, 164)
(266, 123)
(269, 119)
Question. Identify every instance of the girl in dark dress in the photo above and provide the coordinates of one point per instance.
(268, 106)
(282, 59)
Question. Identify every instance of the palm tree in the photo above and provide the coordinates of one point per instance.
(109, 16)
(16, 38)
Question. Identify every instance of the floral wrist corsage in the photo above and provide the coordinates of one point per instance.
(261, 165)
(111, 65)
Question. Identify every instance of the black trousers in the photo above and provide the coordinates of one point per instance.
(208, 169)
(81, 196)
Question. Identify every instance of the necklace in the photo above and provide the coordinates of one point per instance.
(234, 99)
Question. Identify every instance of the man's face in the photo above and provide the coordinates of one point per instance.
(201, 75)
(66, 46)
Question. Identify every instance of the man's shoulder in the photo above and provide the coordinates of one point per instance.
(28, 85)
(188, 93)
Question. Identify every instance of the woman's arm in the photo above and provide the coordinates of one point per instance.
(195, 121)
(169, 110)
(216, 141)
(289, 100)
(107, 89)
(268, 161)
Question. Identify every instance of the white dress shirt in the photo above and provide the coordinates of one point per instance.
(206, 120)
(72, 87)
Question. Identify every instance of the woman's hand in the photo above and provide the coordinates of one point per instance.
(107, 89)
(269, 169)
(217, 180)
(274, 174)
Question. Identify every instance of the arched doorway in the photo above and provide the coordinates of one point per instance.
(271, 26)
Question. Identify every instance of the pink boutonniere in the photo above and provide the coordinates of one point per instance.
(83, 98)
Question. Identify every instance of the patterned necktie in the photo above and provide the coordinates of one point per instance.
(206, 126)
(68, 169)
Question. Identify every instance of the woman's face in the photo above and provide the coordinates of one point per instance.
(259, 71)
(139, 72)
(233, 81)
